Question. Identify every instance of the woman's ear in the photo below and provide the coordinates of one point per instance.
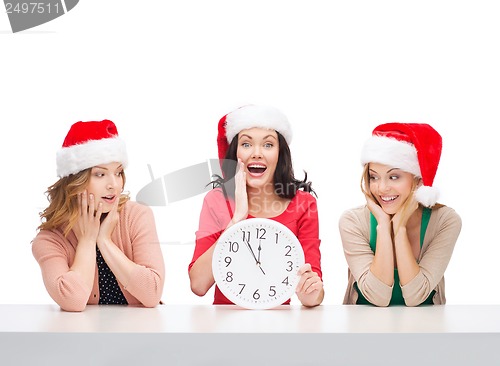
(418, 182)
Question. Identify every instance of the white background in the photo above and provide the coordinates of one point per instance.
(166, 71)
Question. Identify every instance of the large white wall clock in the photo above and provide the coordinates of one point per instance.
(255, 263)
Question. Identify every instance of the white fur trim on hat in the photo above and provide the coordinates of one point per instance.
(392, 152)
(251, 116)
(74, 159)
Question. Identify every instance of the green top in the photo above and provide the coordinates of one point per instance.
(397, 295)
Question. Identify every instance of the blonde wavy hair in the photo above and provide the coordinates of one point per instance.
(63, 209)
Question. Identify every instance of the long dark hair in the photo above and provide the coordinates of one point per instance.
(285, 183)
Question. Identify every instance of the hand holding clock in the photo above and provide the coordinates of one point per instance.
(310, 287)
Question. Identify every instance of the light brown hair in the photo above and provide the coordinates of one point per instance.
(63, 209)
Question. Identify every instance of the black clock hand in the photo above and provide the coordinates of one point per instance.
(251, 251)
(256, 260)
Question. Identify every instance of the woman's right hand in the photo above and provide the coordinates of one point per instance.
(240, 194)
(380, 215)
(88, 224)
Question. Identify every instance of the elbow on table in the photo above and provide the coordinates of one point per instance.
(151, 304)
(73, 302)
(375, 299)
(153, 297)
(198, 289)
(74, 307)
(413, 302)
(381, 302)
(198, 286)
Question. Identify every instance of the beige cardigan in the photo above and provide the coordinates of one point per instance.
(440, 238)
(135, 235)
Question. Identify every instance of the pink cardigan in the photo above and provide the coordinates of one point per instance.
(135, 235)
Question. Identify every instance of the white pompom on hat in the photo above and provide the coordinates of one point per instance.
(88, 144)
(412, 147)
(250, 116)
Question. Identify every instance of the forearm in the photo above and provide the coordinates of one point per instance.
(200, 275)
(121, 266)
(85, 262)
(408, 267)
(383, 262)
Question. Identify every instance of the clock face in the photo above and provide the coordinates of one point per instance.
(255, 263)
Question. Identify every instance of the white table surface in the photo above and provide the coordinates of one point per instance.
(206, 335)
(233, 319)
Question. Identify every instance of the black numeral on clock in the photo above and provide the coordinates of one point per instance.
(256, 295)
(234, 246)
(272, 291)
(261, 233)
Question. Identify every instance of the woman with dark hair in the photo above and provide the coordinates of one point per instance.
(258, 181)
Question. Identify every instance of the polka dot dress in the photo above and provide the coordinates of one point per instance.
(109, 291)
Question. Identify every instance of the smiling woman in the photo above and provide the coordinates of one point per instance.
(258, 182)
(94, 245)
(399, 244)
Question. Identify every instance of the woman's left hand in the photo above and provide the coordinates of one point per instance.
(400, 218)
(240, 194)
(310, 287)
(109, 223)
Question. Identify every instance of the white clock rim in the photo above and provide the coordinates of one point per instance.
(295, 279)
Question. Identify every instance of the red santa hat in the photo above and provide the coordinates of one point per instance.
(250, 116)
(88, 144)
(412, 147)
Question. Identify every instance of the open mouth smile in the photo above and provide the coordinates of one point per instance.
(388, 199)
(256, 169)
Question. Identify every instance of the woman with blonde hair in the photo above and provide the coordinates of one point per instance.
(399, 244)
(94, 245)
